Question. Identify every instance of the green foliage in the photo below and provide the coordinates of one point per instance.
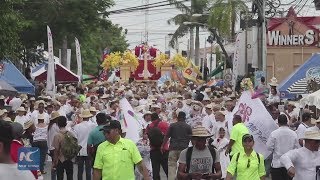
(11, 24)
(223, 15)
(23, 26)
(197, 7)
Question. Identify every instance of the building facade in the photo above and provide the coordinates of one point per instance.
(291, 41)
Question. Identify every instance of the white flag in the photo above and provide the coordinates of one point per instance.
(130, 120)
(257, 119)
(79, 61)
(51, 67)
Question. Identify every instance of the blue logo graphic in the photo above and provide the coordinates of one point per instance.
(29, 158)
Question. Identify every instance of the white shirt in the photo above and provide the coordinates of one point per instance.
(21, 119)
(208, 122)
(301, 129)
(314, 128)
(51, 133)
(281, 141)
(304, 161)
(15, 103)
(10, 171)
(143, 102)
(34, 115)
(41, 134)
(82, 131)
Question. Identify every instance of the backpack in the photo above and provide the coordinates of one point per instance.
(155, 135)
(189, 154)
(237, 159)
(69, 146)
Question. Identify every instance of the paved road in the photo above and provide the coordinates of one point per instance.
(75, 172)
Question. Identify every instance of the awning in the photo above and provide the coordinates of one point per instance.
(217, 70)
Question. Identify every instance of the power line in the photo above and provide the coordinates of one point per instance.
(143, 7)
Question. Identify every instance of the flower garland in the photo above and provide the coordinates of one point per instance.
(162, 60)
(246, 84)
(117, 59)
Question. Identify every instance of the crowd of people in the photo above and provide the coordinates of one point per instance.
(183, 129)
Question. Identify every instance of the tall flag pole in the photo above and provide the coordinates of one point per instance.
(79, 61)
(50, 88)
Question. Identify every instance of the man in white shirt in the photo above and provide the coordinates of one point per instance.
(281, 141)
(144, 99)
(8, 169)
(303, 163)
(15, 103)
(40, 111)
(220, 123)
(82, 131)
(21, 117)
(209, 120)
(306, 123)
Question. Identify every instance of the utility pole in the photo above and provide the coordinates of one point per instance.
(210, 40)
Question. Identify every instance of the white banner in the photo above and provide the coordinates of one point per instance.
(50, 88)
(257, 119)
(79, 61)
(68, 59)
(131, 120)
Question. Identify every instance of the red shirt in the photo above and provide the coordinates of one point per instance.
(15, 145)
(163, 126)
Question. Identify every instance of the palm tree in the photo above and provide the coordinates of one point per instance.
(197, 7)
(223, 16)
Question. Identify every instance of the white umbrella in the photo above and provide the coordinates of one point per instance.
(6, 89)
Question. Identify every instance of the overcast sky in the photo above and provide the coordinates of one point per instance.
(157, 22)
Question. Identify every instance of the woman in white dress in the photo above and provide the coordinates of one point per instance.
(144, 149)
(221, 143)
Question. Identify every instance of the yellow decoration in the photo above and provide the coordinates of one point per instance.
(179, 61)
(117, 59)
(162, 60)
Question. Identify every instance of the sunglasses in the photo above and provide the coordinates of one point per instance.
(248, 165)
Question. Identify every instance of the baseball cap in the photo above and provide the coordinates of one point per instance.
(111, 125)
(247, 136)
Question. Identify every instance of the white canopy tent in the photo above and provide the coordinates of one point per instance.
(312, 99)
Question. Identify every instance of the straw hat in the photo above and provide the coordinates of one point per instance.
(93, 109)
(104, 96)
(221, 112)
(54, 115)
(313, 135)
(147, 113)
(32, 99)
(41, 116)
(27, 124)
(2, 97)
(155, 106)
(1, 112)
(291, 103)
(7, 119)
(21, 109)
(188, 101)
(209, 106)
(273, 82)
(200, 131)
(86, 114)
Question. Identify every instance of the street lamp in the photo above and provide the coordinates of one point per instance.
(215, 34)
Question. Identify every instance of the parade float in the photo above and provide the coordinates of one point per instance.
(147, 64)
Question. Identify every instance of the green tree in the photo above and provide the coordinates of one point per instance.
(11, 25)
(223, 16)
(68, 19)
(197, 7)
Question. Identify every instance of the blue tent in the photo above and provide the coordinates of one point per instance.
(15, 78)
(297, 82)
